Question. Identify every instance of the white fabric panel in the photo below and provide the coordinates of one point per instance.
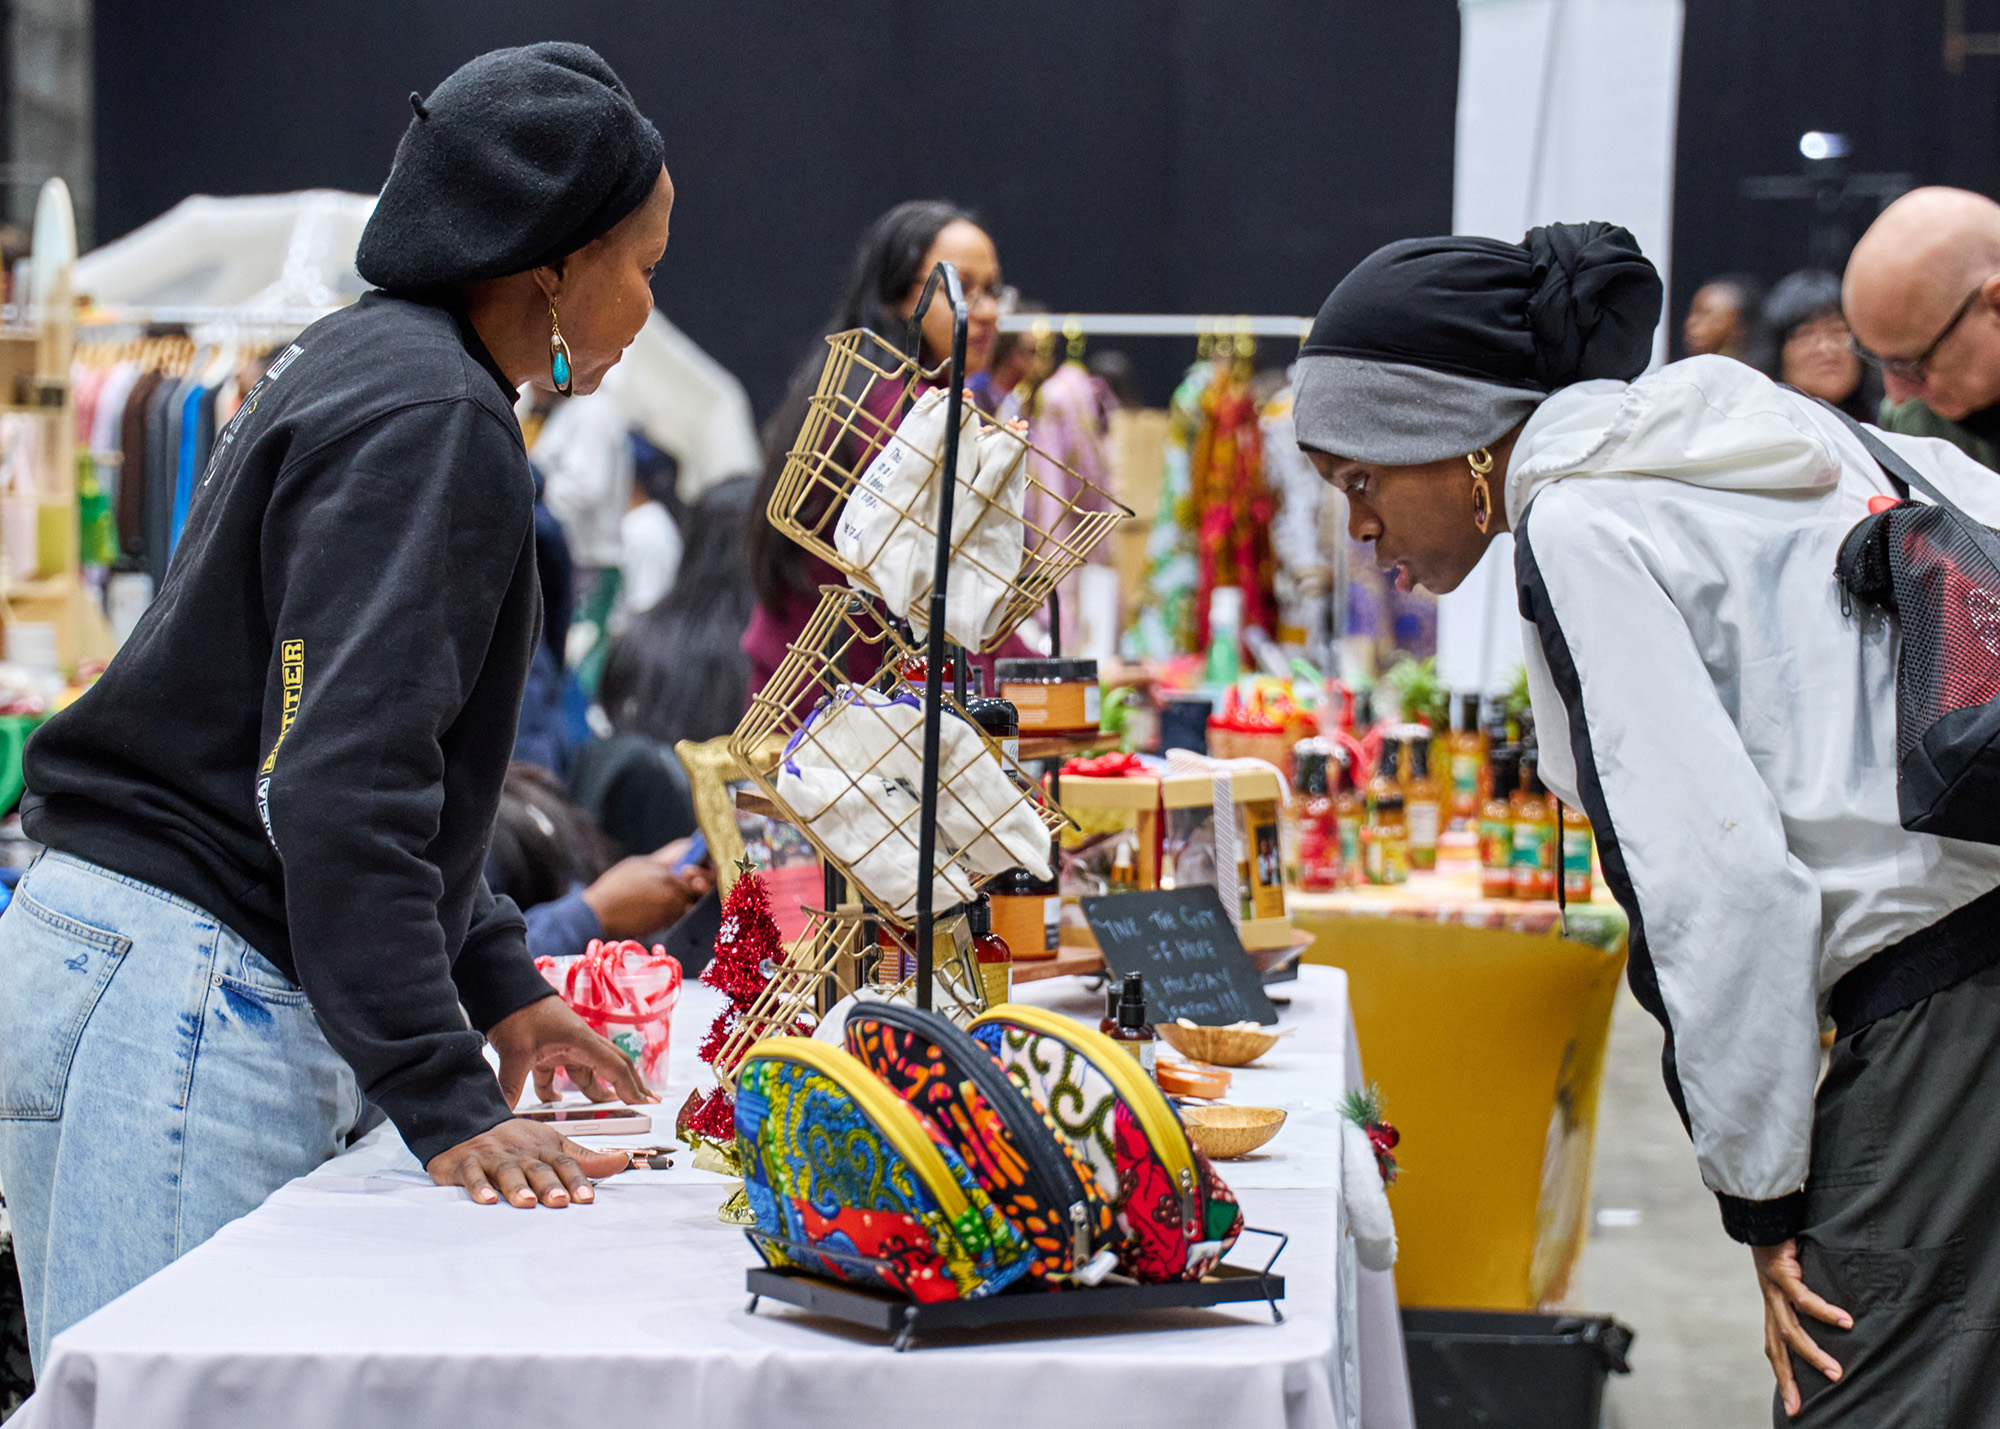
(364, 1296)
(1566, 113)
(687, 404)
(254, 251)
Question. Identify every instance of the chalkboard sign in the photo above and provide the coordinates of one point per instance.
(1186, 946)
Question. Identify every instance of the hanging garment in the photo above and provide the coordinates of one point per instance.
(1308, 568)
(162, 457)
(1233, 507)
(132, 428)
(1072, 418)
(108, 427)
(1166, 625)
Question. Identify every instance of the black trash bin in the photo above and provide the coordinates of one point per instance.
(1488, 1369)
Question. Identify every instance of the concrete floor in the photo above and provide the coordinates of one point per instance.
(1683, 1286)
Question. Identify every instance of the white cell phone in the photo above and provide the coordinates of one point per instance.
(593, 1120)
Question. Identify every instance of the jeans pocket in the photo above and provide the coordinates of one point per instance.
(53, 969)
(250, 974)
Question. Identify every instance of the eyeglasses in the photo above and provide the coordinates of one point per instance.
(1914, 369)
(999, 294)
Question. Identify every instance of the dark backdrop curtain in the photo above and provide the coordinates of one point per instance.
(1137, 155)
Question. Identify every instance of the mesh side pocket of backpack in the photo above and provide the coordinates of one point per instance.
(1947, 593)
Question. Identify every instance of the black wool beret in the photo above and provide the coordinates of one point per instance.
(518, 159)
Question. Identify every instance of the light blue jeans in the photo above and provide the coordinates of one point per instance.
(158, 1079)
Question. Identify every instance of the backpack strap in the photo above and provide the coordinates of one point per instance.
(1905, 478)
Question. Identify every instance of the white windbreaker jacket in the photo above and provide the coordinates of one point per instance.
(1732, 734)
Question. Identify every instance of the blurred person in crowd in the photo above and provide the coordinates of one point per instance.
(679, 671)
(1813, 347)
(1723, 317)
(1922, 293)
(997, 388)
(544, 735)
(676, 672)
(649, 534)
(887, 277)
(1115, 370)
(270, 816)
(565, 876)
(1729, 728)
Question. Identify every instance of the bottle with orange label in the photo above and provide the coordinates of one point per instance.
(1468, 763)
(996, 962)
(1496, 824)
(1576, 841)
(1535, 836)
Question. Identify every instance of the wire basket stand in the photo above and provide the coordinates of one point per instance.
(852, 416)
(839, 953)
(865, 390)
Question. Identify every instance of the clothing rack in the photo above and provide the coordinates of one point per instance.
(1156, 325)
(261, 321)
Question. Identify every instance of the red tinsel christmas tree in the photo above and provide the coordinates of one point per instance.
(745, 945)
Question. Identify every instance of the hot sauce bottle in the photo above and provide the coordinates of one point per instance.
(1349, 814)
(1496, 824)
(1389, 842)
(1318, 819)
(1468, 759)
(1576, 874)
(1423, 808)
(1534, 837)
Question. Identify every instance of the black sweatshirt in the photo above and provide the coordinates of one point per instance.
(307, 732)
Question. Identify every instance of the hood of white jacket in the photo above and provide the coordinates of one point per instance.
(1708, 421)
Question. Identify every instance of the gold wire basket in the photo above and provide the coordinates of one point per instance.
(865, 389)
(839, 953)
(850, 777)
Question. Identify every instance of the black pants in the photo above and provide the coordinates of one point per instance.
(1903, 1219)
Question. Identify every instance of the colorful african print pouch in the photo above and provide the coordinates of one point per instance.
(1175, 1217)
(1004, 1135)
(838, 1166)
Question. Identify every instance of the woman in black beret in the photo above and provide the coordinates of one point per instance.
(1728, 723)
(261, 908)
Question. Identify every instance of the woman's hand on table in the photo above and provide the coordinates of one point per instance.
(546, 1035)
(526, 1164)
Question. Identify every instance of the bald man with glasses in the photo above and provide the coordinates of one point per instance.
(1922, 297)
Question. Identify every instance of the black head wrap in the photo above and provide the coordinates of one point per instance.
(519, 158)
(1433, 347)
(1571, 302)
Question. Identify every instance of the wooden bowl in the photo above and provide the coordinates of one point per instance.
(1217, 1046)
(1226, 1132)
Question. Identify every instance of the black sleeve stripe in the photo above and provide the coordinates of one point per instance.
(1539, 611)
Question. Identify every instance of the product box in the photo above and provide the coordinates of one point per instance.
(1140, 833)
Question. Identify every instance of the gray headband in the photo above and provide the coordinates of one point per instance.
(1399, 414)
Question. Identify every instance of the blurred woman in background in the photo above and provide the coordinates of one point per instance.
(895, 258)
(1812, 352)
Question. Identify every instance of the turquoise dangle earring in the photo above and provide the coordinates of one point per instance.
(559, 365)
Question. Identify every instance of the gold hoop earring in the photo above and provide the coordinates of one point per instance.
(1481, 463)
(559, 363)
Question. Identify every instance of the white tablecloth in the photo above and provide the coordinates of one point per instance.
(362, 1295)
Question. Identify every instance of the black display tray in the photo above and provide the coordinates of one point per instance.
(902, 1319)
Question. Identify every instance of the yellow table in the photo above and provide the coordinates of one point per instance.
(1486, 1030)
